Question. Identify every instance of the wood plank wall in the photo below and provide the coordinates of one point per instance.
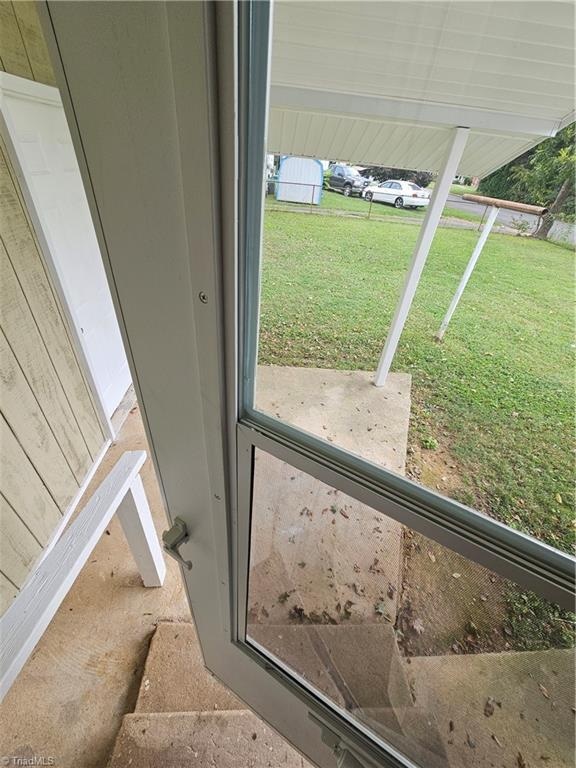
(23, 50)
(50, 433)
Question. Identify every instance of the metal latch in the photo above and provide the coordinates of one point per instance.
(173, 538)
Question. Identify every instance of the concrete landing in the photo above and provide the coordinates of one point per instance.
(219, 739)
(175, 678)
(342, 407)
(333, 555)
(534, 718)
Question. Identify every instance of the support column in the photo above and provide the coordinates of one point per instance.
(468, 271)
(425, 238)
(138, 526)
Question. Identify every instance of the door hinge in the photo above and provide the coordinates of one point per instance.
(173, 538)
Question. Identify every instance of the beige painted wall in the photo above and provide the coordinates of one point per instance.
(50, 433)
(23, 50)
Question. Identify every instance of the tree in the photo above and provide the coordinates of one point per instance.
(381, 173)
(542, 176)
(549, 177)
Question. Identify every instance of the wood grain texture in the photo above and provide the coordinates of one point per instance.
(23, 251)
(20, 408)
(34, 42)
(18, 548)
(23, 335)
(22, 487)
(7, 593)
(12, 49)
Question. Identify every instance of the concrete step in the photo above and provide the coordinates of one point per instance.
(175, 678)
(201, 739)
(418, 738)
(356, 665)
(534, 717)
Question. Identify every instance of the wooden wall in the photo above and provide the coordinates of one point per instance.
(23, 50)
(50, 433)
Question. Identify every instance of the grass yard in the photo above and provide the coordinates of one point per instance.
(335, 201)
(495, 398)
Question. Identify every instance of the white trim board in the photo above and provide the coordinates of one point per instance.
(67, 516)
(26, 619)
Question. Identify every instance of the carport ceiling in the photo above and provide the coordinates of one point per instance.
(384, 82)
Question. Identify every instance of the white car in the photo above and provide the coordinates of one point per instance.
(400, 194)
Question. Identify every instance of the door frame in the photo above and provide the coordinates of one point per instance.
(31, 90)
(167, 92)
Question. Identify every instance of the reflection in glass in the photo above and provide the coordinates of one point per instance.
(447, 661)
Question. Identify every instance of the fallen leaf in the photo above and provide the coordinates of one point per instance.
(497, 740)
(302, 564)
(391, 591)
(470, 741)
(343, 514)
(489, 707)
(520, 762)
(544, 691)
(451, 725)
(284, 596)
(456, 575)
(432, 557)
(418, 626)
(380, 608)
(559, 498)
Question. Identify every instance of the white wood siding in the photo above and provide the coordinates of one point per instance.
(50, 433)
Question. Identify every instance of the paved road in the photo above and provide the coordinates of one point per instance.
(505, 217)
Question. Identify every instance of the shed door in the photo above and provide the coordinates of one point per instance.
(41, 138)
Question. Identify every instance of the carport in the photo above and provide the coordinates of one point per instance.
(494, 88)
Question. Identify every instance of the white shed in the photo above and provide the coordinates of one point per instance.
(300, 180)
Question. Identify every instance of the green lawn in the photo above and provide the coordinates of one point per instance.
(498, 393)
(334, 201)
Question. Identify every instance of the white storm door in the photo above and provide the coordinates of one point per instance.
(175, 176)
(39, 134)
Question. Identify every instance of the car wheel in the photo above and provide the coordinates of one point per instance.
(398, 203)
(347, 191)
(369, 196)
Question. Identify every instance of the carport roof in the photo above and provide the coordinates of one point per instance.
(384, 82)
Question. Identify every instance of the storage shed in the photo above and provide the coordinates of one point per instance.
(300, 180)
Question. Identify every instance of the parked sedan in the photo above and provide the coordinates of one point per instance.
(400, 194)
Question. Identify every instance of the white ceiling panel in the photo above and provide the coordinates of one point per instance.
(383, 82)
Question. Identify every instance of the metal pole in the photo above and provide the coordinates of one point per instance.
(427, 232)
(479, 227)
(468, 271)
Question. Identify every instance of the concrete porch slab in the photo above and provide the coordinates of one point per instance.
(343, 407)
(315, 549)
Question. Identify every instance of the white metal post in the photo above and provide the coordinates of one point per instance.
(468, 271)
(425, 238)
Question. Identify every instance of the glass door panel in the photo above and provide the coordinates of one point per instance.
(483, 417)
(442, 658)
